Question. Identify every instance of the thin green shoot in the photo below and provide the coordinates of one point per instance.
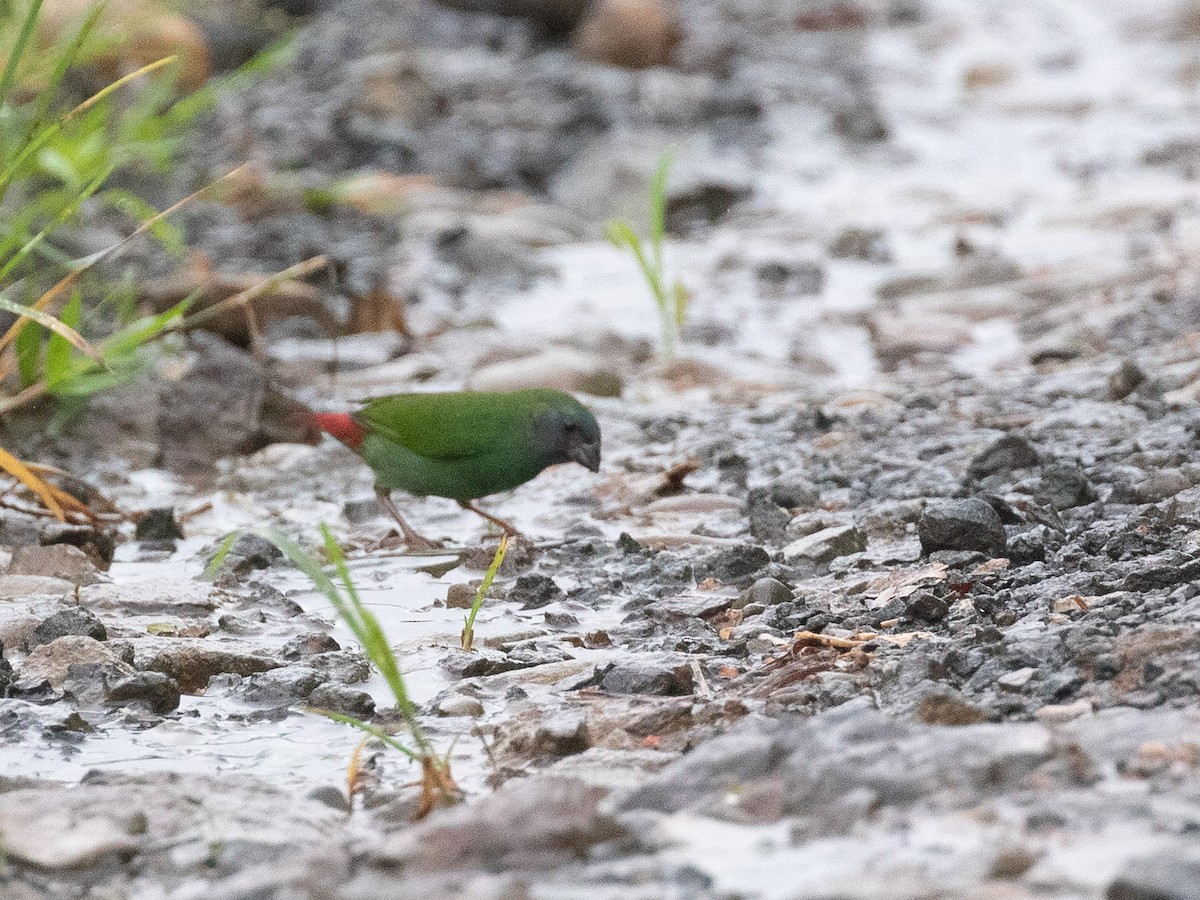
(63, 215)
(669, 295)
(345, 600)
(18, 50)
(468, 632)
(370, 729)
(222, 554)
(437, 785)
(63, 61)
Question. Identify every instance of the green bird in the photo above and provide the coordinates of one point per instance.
(464, 445)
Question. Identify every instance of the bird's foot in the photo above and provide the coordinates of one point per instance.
(412, 539)
(393, 540)
(507, 527)
(419, 543)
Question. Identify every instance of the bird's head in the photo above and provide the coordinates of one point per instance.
(565, 431)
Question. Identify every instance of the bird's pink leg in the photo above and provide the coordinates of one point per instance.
(414, 539)
(509, 528)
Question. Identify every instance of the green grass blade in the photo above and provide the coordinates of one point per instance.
(41, 138)
(680, 296)
(84, 384)
(369, 729)
(136, 334)
(28, 347)
(370, 634)
(485, 586)
(65, 213)
(58, 348)
(18, 50)
(358, 618)
(166, 233)
(48, 321)
(64, 60)
(218, 560)
(621, 235)
(658, 208)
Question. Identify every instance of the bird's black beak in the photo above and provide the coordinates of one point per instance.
(587, 455)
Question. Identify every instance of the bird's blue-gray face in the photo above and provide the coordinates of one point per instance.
(568, 434)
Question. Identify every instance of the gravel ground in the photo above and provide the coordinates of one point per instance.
(889, 588)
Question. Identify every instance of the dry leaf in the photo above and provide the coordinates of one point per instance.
(998, 564)
(899, 584)
(378, 310)
(672, 482)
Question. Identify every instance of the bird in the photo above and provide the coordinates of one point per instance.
(463, 445)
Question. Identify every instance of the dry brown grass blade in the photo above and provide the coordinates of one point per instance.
(355, 776)
(48, 321)
(45, 300)
(438, 787)
(299, 270)
(58, 501)
(117, 85)
(27, 395)
(40, 488)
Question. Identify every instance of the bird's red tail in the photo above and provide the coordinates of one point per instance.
(341, 426)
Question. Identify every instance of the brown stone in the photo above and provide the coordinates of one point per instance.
(948, 709)
(192, 665)
(633, 34)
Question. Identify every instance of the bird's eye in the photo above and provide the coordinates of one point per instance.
(571, 426)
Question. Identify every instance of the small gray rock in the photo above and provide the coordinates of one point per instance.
(74, 620)
(826, 544)
(342, 699)
(1167, 876)
(791, 277)
(51, 662)
(454, 705)
(534, 591)
(55, 561)
(768, 519)
(158, 693)
(766, 592)
(193, 664)
(1064, 485)
(158, 525)
(250, 551)
(734, 565)
(1005, 455)
(1125, 380)
(926, 607)
(962, 525)
(281, 687)
(304, 646)
(661, 675)
(460, 596)
(866, 244)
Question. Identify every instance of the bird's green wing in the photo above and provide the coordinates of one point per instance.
(443, 426)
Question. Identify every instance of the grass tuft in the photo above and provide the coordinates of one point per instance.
(670, 296)
(437, 785)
